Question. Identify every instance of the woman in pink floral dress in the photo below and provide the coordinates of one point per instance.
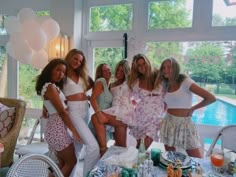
(150, 107)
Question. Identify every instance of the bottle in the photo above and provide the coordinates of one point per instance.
(141, 152)
(234, 170)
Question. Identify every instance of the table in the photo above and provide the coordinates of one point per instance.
(158, 171)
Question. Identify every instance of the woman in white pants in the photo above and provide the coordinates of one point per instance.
(76, 85)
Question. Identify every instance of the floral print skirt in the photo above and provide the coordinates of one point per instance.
(179, 132)
(56, 134)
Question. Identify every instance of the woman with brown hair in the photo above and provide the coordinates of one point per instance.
(102, 99)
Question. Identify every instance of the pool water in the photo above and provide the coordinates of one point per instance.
(218, 113)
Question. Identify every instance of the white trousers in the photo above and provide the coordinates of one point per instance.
(78, 111)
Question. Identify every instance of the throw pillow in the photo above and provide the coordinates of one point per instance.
(7, 117)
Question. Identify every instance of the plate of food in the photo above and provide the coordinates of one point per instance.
(177, 159)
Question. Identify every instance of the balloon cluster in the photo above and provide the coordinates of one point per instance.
(29, 36)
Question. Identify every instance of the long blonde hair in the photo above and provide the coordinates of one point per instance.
(126, 68)
(99, 73)
(135, 75)
(81, 71)
(175, 74)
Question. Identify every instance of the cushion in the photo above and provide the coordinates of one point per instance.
(7, 117)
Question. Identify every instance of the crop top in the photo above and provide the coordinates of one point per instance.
(71, 88)
(181, 98)
(47, 103)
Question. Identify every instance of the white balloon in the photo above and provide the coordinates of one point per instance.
(12, 25)
(29, 27)
(51, 28)
(16, 38)
(38, 40)
(40, 59)
(42, 19)
(10, 50)
(26, 58)
(26, 14)
(22, 51)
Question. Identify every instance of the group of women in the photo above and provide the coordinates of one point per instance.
(138, 99)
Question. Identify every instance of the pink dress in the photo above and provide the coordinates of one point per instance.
(148, 113)
(122, 106)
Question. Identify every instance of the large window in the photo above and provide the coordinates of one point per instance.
(110, 56)
(2, 21)
(27, 79)
(111, 18)
(223, 14)
(212, 64)
(170, 14)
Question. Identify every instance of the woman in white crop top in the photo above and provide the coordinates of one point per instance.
(177, 128)
(76, 85)
(49, 84)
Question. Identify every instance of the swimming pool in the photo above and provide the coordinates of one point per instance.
(218, 113)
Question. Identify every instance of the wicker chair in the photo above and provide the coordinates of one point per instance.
(34, 165)
(9, 141)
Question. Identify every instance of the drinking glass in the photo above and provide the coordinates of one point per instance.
(217, 160)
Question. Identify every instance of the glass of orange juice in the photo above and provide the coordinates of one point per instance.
(217, 160)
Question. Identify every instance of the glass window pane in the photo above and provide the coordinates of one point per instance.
(2, 21)
(110, 56)
(27, 80)
(212, 64)
(3, 72)
(170, 14)
(111, 18)
(223, 14)
(43, 13)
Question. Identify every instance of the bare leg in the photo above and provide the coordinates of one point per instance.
(169, 148)
(68, 157)
(61, 163)
(195, 152)
(100, 133)
(138, 143)
(120, 136)
(148, 141)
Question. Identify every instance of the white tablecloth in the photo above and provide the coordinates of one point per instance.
(158, 171)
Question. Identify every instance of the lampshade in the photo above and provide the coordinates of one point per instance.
(59, 47)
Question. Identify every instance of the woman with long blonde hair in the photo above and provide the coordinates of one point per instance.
(150, 105)
(76, 85)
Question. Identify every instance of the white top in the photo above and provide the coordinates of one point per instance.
(47, 103)
(181, 98)
(71, 88)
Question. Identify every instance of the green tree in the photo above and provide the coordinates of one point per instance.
(110, 56)
(169, 14)
(231, 62)
(206, 62)
(111, 18)
(27, 80)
